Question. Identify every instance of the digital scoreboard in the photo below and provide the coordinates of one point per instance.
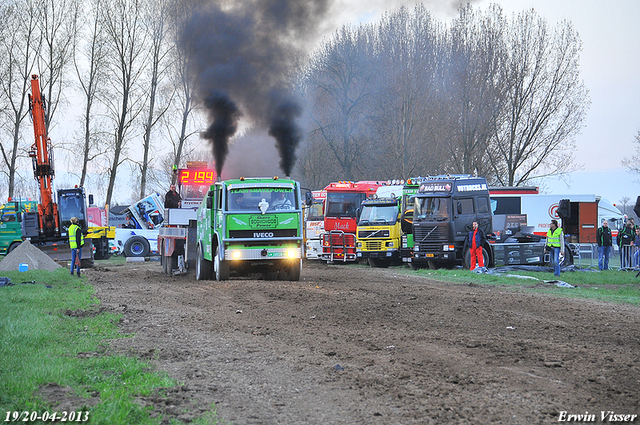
(196, 176)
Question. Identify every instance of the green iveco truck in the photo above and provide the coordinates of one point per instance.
(250, 225)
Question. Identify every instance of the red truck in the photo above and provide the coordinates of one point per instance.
(340, 223)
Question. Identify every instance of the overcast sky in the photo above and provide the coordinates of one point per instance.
(610, 68)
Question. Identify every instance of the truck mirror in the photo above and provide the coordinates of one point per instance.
(309, 198)
(209, 202)
(357, 214)
(636, 209)
(459, 207)
(91, 199)
(564, 209)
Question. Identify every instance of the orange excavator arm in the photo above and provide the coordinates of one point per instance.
(42, 156)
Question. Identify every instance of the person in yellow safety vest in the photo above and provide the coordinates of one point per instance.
(76, 241)
(555, 242)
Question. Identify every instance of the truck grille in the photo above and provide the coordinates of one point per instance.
(262, 234)
(378, 233)
(372, 245)
(431, 236)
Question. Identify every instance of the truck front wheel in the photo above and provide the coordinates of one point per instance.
(292, 271)
(13, 246)
(203, 267)
(467, 259)
(379, 262)
(221, 267)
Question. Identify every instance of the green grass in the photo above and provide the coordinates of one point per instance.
(52, 332)
(612, 285)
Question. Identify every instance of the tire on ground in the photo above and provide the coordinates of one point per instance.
(379, 262)
(204, 268)
(13, 246)
(291, 270)
(467, 258)
(136, 246)
(220, 267)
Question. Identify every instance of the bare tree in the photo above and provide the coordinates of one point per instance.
(472, 86)
(339, 87)
(129, 52)
(155, 16)
(57, 25)
(179, 121)
(625, 201)
(545, 102)
(633, 163)
(90, 62)
(19, 47)
(403, 116)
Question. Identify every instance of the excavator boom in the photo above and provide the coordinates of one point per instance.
(42, 156)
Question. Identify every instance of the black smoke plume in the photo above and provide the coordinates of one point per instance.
(225, 115)
(283, 127)
(243, 50)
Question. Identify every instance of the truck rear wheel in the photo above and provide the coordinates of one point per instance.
(203, 267)
(136, 246)
(102, 249)
(166, 261)
(220, 267)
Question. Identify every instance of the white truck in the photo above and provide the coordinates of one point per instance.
(314, 225)
(139, 235)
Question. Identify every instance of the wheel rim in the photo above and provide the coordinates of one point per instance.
(137, 248)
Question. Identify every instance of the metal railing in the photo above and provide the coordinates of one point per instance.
(630, 257)
(624, 258)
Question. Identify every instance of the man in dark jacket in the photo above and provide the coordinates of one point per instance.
(626, 237)
(475, 241)
(172, 199)
(605, 242)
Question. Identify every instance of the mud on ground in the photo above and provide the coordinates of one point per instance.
(355, 345)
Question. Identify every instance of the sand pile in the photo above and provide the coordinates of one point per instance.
(29, 254)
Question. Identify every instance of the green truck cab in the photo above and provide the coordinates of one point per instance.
(10, 223)
(250, 225)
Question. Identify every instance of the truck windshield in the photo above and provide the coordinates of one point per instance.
(315, 212)
(343, 204)
(435, 209)
(378, 215)
(258, 198)
(7, 215)
(193, 191)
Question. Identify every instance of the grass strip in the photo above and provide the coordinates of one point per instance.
(614, 286)
(52, 333)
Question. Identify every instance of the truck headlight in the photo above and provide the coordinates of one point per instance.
(359, 244)
(416, 247)
(291, 253)
(236, 255)
(390, 244)
(449, 248)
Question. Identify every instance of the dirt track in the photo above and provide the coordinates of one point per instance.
(354, 345)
